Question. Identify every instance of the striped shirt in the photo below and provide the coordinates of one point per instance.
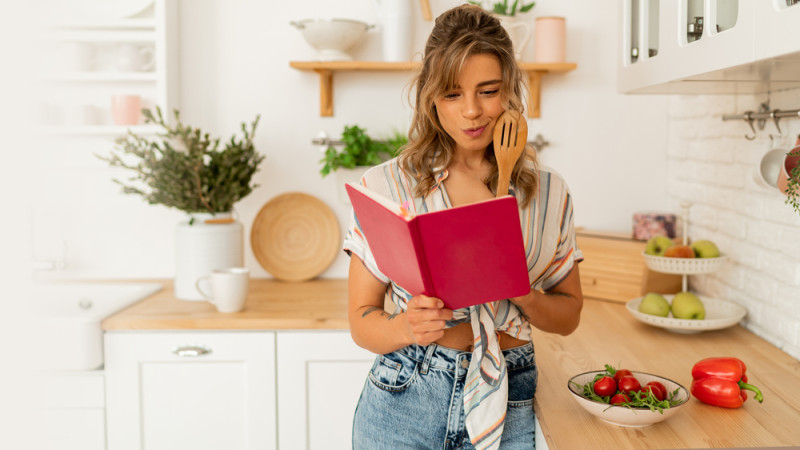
(549, 235)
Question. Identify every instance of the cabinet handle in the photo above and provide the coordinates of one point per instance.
(191, 350)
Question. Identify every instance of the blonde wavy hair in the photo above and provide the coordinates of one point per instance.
(457, 34)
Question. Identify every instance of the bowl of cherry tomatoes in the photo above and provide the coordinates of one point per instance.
(627, 398)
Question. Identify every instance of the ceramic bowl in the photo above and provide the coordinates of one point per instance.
(624, 416)
(332, 37)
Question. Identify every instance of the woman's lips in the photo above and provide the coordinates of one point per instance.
(474, 132)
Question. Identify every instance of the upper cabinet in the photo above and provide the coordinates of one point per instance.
(102, 64)
(709, 46)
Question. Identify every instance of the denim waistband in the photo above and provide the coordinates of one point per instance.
(445, 358)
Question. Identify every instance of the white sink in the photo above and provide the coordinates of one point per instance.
(67, 318)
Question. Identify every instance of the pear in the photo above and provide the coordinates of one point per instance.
(654, 304)
(657, 245)
(686, 305)
(705, 249)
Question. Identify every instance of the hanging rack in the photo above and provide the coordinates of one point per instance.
(761, 116)
(538, 142)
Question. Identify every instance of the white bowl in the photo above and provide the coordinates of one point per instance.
(332, 37)
(679, 266)
(719, 314)
(625, 416)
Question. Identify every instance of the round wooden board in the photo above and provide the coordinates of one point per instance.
(295, 237)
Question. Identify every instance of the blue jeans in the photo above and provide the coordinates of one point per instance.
(413, 399)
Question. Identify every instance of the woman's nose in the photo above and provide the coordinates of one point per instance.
(472, 108)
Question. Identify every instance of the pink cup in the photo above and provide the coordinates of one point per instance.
(126, 109)
(550, 40)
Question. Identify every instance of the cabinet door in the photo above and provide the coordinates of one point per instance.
(320, 377)
(777, 24)
(176, 390)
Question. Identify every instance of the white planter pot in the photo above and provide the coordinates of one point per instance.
(396, 28)
(203, 247)
(344, 176)
(519, 31)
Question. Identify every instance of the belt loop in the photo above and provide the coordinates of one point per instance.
(426, 362)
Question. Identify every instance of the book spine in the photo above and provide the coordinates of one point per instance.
(422, 259)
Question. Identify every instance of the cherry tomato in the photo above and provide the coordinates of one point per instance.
(659, 385)
(629, 384)
(605, 386)
(620, 399)
(657, 392)
(622, 373)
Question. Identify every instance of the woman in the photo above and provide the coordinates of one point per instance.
(438, 381)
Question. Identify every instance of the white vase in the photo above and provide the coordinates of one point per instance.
(396, 28)
(519, 31)
(201, 247)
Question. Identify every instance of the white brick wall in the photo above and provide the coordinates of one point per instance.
(711, 165)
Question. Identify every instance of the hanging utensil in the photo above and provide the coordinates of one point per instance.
(510, 137)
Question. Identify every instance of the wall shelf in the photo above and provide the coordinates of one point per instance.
(325, 70)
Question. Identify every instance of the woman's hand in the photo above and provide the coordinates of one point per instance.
(426, 317)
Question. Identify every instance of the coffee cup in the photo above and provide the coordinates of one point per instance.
(126, 109)
(228, 288)
(134, 58)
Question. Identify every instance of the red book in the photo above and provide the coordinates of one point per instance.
(464, 255)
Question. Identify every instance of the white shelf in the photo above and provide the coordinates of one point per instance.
(98, 130)
(121, 24)
(99, 35)
(81, 77)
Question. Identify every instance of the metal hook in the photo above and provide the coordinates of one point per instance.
(776, 119)
(749, 119)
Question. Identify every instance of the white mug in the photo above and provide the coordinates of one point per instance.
(134, 58)
(228, 288)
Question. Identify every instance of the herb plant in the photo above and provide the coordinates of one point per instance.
(504, 9)
(360, 150)
(793, 187)
(184, 168)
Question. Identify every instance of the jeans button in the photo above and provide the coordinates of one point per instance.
(464, 363)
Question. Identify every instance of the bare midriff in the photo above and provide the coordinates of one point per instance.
(460, 337)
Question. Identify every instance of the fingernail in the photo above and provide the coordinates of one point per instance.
(440, 304)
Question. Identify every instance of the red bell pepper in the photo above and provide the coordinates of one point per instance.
(722, 382)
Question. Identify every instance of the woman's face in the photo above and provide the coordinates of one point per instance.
(469, 111)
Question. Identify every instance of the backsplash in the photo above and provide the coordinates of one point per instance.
(712, 166)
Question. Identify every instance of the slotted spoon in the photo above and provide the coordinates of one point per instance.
(510, 137)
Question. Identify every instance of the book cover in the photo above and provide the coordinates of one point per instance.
(465, 255)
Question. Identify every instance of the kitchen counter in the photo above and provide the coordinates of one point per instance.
(607, 335)
(270, 305)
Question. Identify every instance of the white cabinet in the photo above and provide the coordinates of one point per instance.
(92, 54)
(320, 377)
(708, 46)
(74, 410)
(190, 390)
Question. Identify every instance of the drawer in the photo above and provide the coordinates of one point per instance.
(613, 268)
(74, 390)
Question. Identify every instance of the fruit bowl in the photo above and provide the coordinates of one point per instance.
(625, 416)
(719, 314)
(332, 37)
(679, 266)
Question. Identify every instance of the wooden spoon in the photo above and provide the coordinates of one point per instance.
(510, 137)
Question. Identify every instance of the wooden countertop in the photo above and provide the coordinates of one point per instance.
(607, 335)
(271, 305)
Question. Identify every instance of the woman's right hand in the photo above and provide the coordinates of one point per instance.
(426, 317)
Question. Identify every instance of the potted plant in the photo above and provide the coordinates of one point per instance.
(792, 189)
(504, 9)
(359, 153)
(519, 31)
(185, 169)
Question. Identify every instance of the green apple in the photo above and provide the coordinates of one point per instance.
(705, 249)
(654, 304)
(686, 305)
(657, 245)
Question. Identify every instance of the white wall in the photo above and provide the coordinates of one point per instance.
(234, 64)
(711, 166)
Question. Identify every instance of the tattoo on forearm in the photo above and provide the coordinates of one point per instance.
(381, 312)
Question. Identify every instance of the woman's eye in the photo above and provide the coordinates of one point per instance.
(451, 95)
(490, 92)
